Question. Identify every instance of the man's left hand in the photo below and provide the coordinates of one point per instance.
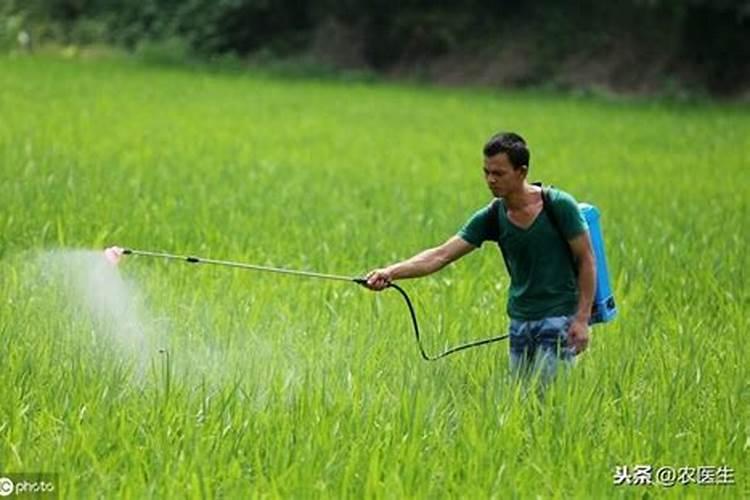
(578, 335)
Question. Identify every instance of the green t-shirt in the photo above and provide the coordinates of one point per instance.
(543, 282)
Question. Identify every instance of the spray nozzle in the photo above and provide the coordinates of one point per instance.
(114, 254)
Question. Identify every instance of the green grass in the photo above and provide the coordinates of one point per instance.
(279, 386)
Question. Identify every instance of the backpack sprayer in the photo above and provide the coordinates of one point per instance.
(603, 309)
(114, 254)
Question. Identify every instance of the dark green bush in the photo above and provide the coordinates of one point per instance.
(711, 37)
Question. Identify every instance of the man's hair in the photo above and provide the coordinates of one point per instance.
(512, 145)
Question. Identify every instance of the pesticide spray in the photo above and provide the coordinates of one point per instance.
(102, 301)
(108, 317)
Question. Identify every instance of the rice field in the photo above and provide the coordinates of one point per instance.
(161, 379)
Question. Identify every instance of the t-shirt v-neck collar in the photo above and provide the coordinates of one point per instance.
(516, 226)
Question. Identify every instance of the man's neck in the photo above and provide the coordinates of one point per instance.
(520, 198)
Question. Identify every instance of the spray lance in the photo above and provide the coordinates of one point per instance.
(114, 254)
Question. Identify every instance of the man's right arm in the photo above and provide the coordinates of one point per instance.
(422, 264)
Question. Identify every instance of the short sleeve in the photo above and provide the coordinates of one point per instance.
(568, 215)
(476, 230)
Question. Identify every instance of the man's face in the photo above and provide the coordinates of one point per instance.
(500, 175)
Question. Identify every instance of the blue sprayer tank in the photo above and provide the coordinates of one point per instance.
(604, 309)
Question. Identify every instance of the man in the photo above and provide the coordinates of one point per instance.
(550, 293)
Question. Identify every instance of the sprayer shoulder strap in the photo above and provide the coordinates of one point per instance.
(548, 208)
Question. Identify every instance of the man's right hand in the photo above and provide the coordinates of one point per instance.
(378, 279)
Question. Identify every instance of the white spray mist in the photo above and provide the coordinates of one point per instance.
(95, 287)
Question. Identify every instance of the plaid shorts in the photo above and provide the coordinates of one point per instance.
(540, 345)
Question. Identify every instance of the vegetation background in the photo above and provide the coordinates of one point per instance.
(271, 133)
(666, 47)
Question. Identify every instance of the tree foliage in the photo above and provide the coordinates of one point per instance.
(712, 36)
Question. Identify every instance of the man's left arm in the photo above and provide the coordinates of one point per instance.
(584, 257)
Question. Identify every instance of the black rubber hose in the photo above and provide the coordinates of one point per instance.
(415, 324)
